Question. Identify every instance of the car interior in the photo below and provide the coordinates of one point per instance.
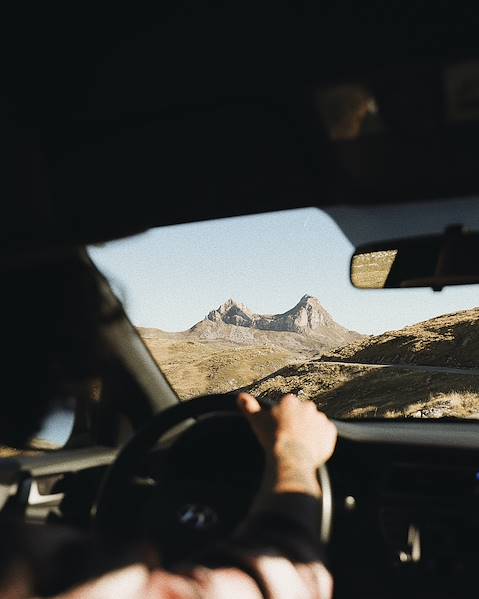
(117, 124)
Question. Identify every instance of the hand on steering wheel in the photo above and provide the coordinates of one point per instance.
(291, 430)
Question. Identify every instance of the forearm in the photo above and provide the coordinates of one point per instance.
(288, 469)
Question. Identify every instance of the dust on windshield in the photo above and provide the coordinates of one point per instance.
(264, 304)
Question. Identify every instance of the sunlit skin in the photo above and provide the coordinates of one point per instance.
(297, 440)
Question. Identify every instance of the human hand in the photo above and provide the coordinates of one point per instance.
(296, 437)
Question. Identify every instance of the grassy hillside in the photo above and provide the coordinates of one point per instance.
(345, 390)
(356, 388)
(450, 340)
(350, 391)
(197, 367)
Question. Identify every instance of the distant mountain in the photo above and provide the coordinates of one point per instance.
(232, 346)
(307, 318)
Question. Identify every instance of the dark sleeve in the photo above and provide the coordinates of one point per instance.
(290, 522)
(277, 548)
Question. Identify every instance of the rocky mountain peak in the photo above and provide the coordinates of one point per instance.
(231, 312)
(307, 317)
(306, 298)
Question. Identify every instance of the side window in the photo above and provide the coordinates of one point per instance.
(56, 427)
(53, 434)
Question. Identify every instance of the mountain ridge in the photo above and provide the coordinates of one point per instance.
(308, 317)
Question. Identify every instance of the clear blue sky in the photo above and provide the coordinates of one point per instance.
(171, 277)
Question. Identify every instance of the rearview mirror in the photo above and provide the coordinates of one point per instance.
(451, 258)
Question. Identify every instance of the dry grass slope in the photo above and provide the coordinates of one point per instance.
(450, 340)
(196, 367)
(350, 391)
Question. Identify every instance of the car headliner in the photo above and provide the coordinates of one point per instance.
(127, 121)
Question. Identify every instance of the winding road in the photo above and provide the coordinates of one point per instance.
(444, 369)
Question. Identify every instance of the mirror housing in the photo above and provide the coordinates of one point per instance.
(436, 261)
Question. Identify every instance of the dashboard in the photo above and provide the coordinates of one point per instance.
(406, 509)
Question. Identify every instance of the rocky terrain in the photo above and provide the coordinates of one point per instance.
(233, 346)
(434, 373)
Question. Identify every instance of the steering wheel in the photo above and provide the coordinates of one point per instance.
(135, 451)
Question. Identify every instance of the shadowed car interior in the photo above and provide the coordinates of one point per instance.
(176, 127)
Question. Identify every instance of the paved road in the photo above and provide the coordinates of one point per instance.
(445, 369)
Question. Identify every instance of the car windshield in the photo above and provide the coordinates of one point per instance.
(264, 303)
